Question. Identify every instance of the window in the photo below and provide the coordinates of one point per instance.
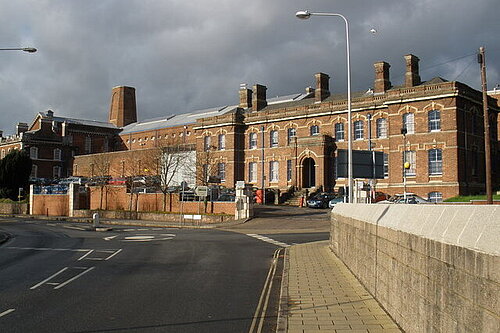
(410, 157)
(435, 162)
(381, 128)
(252, 172)
(386, 165)
(34, 171)
(273, 138)
(292, 133)
(56, 172)
(434, 117)
(314, 130)
(409, 123)
(222, 141)
(34, 153)
(273, 171)
(435, 197)
(221, 171)
(3, 153)
(88, 145)
(253, 141)
(57, 154)
(289, 170)
(207, 141)
(339, 131)
(358, 130)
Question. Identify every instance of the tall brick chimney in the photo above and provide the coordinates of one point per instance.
(21, 128)
(122, 110)
(412, 78)
(245, 97)
(382, 83)
(322, 90)
(259, 99)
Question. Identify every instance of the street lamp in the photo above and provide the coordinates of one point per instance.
(305, 14)
(25, 49)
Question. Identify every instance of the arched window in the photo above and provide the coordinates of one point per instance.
(222, 141)
(207, 143)
(435, 162)
(292, 133)
(409, 123)
(221, 171)
(34, 153)
(57, 154)
(273, 171)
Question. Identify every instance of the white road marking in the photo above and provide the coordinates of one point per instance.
(45, 249)
(114, 254)
(268, 240)
(139, 237)
(86, 254)
(48, 279)
(74, 278)
(6, 312)
(110, 237)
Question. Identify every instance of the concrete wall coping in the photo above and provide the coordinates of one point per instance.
(475, 227)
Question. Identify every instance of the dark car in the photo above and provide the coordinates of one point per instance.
(320, 200)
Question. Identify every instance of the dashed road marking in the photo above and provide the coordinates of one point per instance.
(268, 240)
(70, 277)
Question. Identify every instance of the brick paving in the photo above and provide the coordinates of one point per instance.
(324, 296)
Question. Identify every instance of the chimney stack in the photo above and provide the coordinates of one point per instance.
(50, 114)
(412, 78)
(245, 97)
(382, 83)
(322, 90)
(122, 110)
(21, 128)
(259, 99)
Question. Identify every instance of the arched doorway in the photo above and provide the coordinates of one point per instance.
(308, 173)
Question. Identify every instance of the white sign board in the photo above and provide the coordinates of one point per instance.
(201, 191)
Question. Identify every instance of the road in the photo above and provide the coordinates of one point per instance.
(54, 278)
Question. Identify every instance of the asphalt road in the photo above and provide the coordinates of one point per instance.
(57, 279)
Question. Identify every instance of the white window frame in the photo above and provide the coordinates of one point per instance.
(411, 157)
(34, 171)
(289, 170)
(339, 129)
(207, 142)
(252, 140)
(359, 130)
(221, 171)
(435, 197)
(222, 141)
(57, 154)
(435, 157)
(34, 153)
(381, 128)
(291, 133)
(314, 130)
(409, 122)
(386, 165)
(434, 120)
(273, 139)
(273, 171)
(252, 172)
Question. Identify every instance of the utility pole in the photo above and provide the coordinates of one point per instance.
(486, 118)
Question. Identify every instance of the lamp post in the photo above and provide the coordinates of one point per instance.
(25, 49)
(305, 14)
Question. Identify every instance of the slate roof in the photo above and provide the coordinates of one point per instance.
(84, 122)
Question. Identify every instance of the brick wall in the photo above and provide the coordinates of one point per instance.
(432, 267)
(50, 204)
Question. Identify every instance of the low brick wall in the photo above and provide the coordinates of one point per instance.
(158, 217)
(432, 267)
(13, 208)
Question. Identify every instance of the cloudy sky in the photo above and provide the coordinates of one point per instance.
(189, 55)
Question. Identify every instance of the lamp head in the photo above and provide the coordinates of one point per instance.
(303, 14)
(29, 49)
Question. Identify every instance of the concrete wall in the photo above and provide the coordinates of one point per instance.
(434, 268)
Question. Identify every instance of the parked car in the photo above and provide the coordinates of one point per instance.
(73, 180)
(226, 197)
(320, 200)
(118, 181)
(411, 198)
(335, 201)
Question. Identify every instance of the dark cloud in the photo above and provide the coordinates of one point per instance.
(183, 55)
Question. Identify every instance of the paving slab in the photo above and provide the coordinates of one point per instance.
(320, 294)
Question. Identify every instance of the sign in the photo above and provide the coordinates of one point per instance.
(240, 184)
(363, 165)
(201, 191)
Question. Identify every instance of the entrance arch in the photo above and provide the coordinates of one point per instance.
(308, 173)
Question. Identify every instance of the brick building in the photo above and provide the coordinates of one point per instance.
(291, 142)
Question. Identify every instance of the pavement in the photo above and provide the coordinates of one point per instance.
(320, 294)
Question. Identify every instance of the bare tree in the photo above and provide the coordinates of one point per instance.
(100, 173)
